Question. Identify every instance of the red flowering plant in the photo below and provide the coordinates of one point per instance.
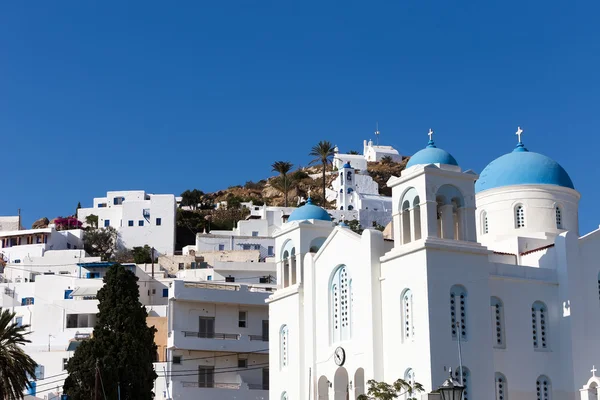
(67, 223)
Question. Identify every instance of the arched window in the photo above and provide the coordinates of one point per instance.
(543, 388)
(458, 311)
(284, 396)
(283, 346)
(465, 377)
(342, 177)
(501, 388)
(539, 325)
(349, 176)
(520, 216)
(407, 316)
(350, 207)
(341, 304)
(558, 213)
(498, 322)
(484, 223)
(286, 269)
(409, 377)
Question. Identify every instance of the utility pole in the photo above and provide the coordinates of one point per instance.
(97, 382)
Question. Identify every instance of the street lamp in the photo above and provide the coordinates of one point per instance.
(451, 389)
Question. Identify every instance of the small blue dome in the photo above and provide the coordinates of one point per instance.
(309, 211)
(431, 155)
(347, 165)
(522, 167)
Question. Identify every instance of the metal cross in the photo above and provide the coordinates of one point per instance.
(430, 133)
(593, 371)
(518, 133)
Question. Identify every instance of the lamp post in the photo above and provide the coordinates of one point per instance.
(451, 389)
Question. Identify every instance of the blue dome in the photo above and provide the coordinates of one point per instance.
(309, 211)
(522, 167)
(347, 165)
(431, 155)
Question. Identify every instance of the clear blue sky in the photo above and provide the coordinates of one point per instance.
(166, 96)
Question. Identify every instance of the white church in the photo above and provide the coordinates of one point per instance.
(492, 264)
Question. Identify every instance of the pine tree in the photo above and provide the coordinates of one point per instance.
(122, 344)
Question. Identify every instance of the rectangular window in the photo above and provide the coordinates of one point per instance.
(165, 292)
(206, 377)
(106, 223)
(242, 315)
(71, 320)
(243, 363)
(39, 372)
(221, 247)
(256, 246)
(68, 245)
(141, 222)
(19, 321)
(263, 279)
(206, 328)
(270, 251)
(17, 261)
(158, 221)
(209, 278)
(27, 301)
(68, 294)
(65, 362)
(101, 205)
(118, 200)
(254, 233)
(246, 247)
(92, 275)
(230, 279)
(130, 223)
(181, 266)
(194, 265)
(176, 359)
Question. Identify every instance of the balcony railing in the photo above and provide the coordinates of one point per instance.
(215, 385)
(212, 335)
(264, 338)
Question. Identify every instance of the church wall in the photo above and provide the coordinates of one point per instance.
(447, 267)
(401, 353)
(518, 296)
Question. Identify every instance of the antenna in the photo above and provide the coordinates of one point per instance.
(377, 133)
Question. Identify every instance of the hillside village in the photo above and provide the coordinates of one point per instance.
(325, 282)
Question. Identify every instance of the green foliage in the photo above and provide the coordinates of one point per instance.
(142, 255)
(385, 391)
(234, 202)
(192, 198)
(353, 152)
(386, 160)
(100, 242)
(122, 344)
(92, 220)
(16, 367)
(355, 226)
(323, 153)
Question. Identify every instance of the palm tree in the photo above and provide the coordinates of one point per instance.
(322, 152)
(16, 367)
(387, 160)
(283, 167)
(353, 152)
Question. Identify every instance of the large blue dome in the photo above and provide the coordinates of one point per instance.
(309, 211)
(522, 167)
(431, 155)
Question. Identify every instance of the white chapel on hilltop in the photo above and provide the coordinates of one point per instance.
(493, 261)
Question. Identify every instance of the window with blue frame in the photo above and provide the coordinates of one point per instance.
(107, 222)
(68, 294)
(130, 222)
(92, 275)
(118, 200)
(27, 301)
(141, 222)
(165, 292)
(17, 261)
(19, 321)
(39, 372)
(158, 221)
(221, 247)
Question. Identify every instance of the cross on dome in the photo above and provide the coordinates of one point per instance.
(430, 133)
(519, 133)
(593, 370)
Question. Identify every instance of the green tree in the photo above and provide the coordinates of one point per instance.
(353, 152)
(355, 226)
(323, 152)
(142, 255)
(92, 220)
(16, 367)
(283, 167)
(386, 160)
(122, 345)
(100, 242)
(192, 198)
(385, 391)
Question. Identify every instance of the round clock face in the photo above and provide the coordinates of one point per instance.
(339, 356)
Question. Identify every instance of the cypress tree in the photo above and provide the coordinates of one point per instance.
(122, 344)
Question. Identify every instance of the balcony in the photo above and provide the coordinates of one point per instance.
(219, 390)
(220, 292)
(203, 341)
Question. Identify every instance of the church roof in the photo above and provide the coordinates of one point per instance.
(431, 155)
(522, 167)
(309, 211)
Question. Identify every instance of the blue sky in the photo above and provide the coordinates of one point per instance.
(166, 96)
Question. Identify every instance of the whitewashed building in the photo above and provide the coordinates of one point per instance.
(493, 261)
(139, 218)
